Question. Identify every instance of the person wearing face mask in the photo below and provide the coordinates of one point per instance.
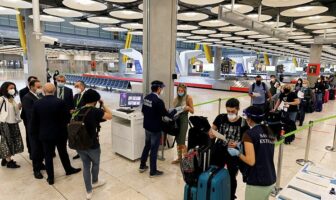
(55, 77)
(64, 93)
(91, 157)
(260, 95)
(153, 110)
(291, 102)
(232, 126)
(78, 100)
(22, 93)
(319, 93)
(257, 154)
(11, 141)
(28, 102)
(274, 83)
(305, 95)
(298, 85)
(185, 100)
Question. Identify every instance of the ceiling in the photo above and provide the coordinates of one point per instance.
(297, 46)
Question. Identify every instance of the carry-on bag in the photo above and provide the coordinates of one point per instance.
(190, 192)
(332, 94)
(326, 96)
(214, 184)
(198, 132)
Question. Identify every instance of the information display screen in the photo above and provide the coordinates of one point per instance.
(130, 99)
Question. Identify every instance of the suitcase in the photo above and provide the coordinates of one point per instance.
(332, 94)
(190, 192)
(326, 96)
(214, 184)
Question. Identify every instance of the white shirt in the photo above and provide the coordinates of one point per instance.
(11, 118)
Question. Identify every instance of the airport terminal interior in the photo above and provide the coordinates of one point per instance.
(218, 50)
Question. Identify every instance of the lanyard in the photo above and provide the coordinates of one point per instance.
(61, 93)
(79, 99)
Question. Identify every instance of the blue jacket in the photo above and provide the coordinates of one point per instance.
(153, 110)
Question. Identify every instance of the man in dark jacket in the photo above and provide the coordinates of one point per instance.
(153, 110)
(22, 93)
(49, 123)
(28, 102)
(64, 93)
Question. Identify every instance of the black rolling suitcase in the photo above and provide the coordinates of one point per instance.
(273, 121)
(289, 126)
(198, 132)
(332, 94)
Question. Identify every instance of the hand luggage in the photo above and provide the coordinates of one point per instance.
(193, 164)
(190, 192)
(198, 132)
(214, 184)
(326, 96)
(310, 108)
(332, 94)
(273, 120)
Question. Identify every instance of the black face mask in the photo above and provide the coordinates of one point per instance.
(258, 82)
(286, 91)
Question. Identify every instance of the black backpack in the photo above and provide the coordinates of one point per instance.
(79, 138)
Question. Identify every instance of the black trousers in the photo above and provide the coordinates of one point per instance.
(36, 152)
(49, 150)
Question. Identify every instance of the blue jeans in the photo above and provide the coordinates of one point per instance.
(90, 156)
(292, 116)
(152, 144)
(319, 102)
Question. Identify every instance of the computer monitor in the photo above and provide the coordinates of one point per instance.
(130, 100)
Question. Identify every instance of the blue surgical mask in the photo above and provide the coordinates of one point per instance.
(181, 94)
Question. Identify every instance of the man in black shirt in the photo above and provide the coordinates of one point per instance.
(275, 84)
(153, 110)
(232, 127)
(91, 157)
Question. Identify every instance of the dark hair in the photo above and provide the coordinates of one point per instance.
(32, 83)
(232, 103)
(30, 78)
(91, 96)
(82, 83)
(156, 85)
(258, 76)
(297, 83)
(4, 89)
(272, 76)
(256, 114)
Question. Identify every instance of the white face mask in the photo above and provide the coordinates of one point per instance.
(232, 117)
(77, 90)
(39, 91)
(11, 92)
(59, 84)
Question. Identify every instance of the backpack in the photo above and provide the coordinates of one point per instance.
(264, 87)
(79, 138)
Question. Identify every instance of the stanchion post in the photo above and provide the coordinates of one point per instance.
(305, 160)
(277, 187)
(333, 147)
(219, 105)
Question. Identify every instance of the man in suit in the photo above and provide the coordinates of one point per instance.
(28, 101)
(64, 93)
(49, 123)
(22, 93)
(78, 99)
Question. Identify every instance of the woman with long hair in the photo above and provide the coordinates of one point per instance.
(184, 100)
(11, 140)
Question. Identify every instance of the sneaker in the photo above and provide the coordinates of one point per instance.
(12, 164)
(143, 169)
(98, 184)
(89, 195)
(157, 173)
(4, 162)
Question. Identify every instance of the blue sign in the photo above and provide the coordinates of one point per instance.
(138, 68)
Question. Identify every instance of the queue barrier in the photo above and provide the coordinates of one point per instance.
(105, 83)
(280, 143)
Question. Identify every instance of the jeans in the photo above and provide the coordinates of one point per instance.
(90, 156)
(292, 116)
(152, 144)
(319, 102)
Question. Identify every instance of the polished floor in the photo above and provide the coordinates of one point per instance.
(123, 180)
